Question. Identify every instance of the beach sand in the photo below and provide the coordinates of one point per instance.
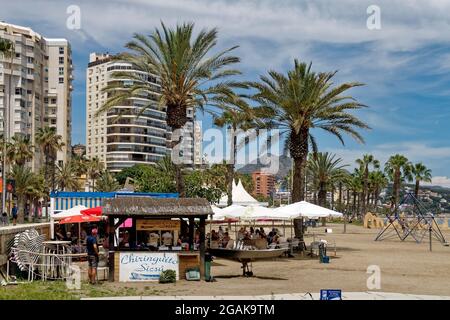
(406, 267)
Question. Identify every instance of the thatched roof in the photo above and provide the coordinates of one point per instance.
(145, 206)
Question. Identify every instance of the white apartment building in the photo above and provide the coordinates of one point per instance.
(132, 138)
(38, 82)
(121, 142)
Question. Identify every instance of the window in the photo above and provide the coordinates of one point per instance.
(61, 80)
(30, 59)
(53, 121)
(61, 50)
(61, 60)
(61, 71)
(17, 55)
(45, 100)
(53, 100)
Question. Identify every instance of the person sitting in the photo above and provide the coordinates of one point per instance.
(225, 240)
(271, 235)
(241, 233)
(125, 240)
(214, 235)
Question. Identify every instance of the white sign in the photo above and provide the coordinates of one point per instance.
(146, 266)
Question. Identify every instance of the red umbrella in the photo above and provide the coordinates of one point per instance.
(79, 219)
(97, 211)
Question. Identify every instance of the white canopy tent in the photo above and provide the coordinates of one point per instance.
(305, 209)
(240, 197)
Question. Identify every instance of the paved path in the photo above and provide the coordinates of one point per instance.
(290, 296)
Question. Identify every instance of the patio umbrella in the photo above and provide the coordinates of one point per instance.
(97, 211)
(74, 211)
(79, 219)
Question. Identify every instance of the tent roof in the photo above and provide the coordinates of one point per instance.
(240, 196)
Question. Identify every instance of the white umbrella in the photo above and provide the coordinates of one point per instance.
(306, 209)
(75, 211)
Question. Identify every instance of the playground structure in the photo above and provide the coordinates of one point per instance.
(411, 218)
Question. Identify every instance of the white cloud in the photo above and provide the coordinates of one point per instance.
(441, 181)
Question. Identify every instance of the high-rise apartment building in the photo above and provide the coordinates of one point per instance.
(37, 81)
(264, 183)
(124, 135)
(132, 138)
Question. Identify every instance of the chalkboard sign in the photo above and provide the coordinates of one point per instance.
(330, 294)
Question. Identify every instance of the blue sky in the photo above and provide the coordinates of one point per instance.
(405, 65)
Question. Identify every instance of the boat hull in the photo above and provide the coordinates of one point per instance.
(248, 255)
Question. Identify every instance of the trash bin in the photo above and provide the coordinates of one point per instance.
(208, 260)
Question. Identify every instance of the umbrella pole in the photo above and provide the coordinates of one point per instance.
(79, 237)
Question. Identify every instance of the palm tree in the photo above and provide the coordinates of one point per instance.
(237, 116)
(324, 169)
(7, 50)
(36, 191)
(20, 150)
(377, 181)
(188, 76)
(23, 179)
(398, 169)
(66, 177)
(420, 173)
(107, 183)
(94, 170)
(301, 101)
(50, 143)
(364, 164)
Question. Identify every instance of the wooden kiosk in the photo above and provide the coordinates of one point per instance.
(165, 234)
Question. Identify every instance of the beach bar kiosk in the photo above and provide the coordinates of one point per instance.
(165, 234)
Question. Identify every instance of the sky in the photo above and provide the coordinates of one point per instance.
(405, 64)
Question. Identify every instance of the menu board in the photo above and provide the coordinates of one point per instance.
(155, 225)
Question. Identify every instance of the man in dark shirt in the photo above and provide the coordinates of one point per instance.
(92, 251)
(14, 214)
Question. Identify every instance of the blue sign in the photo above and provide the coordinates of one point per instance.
(330, 294)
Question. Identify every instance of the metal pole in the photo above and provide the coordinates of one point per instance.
(431, 239)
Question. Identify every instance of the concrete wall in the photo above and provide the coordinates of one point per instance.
(7, 233)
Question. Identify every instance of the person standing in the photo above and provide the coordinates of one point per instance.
(14, 214)
(4, 218)
(92, 251)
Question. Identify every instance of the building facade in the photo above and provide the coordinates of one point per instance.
(126, 135)
(79, 150)
(35, 88)
(264, 183)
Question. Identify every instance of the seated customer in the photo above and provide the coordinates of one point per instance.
(226, 238)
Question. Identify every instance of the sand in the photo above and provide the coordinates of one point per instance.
(406, 267)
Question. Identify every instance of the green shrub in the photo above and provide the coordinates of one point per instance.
(168, 276)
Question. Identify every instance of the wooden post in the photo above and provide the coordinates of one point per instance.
(111, 248)
(202, 248)
(191, 233)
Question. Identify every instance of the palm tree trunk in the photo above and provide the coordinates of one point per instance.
(229, 178)
(21, 209)
(340, 195)
(364, 190)
(298, 147)
(322, 194)
(178, 166)
(396, 187)
(416, 189)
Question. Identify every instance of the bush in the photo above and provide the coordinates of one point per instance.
(168, 276)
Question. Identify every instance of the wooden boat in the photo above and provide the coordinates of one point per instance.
(246, 256)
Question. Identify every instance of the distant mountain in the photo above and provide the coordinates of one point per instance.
(285, 164)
